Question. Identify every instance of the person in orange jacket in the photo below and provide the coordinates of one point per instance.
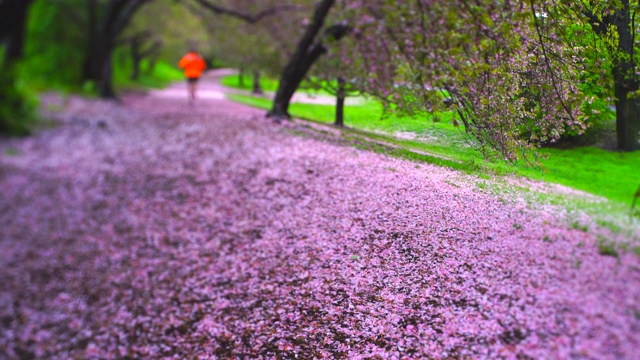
(193, 65)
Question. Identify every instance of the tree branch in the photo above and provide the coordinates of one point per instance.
(251, 19)
(155, 47)
(124, 15)
(337, 31)
(599, 27)
(546, 60)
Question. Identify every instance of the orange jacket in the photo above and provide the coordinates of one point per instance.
(193, 65)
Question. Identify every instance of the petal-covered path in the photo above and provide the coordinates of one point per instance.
(152, 229)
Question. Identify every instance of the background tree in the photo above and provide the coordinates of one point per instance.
(168, 29)
(16, 109)
(56, 44)
(338, 73)
(257, 51)
(308, 50)
(252, 48)
(106, 22)
(13, 21)
(58, 40)
(603, 33)
(142, 45)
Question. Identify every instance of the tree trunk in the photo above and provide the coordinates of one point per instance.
(135, 72)
(241, 78)
(97, 63)
(13, 20)
(627, 120)
(139, 52)
(305, 54)
(105, 85)
(624, 75)
(136, 59)
(624, 70)
(151, 65)
(97, 67)
(257, 88)
(289, 84)
(340, 96)
(16, 112)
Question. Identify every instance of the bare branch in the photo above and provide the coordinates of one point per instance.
(123, 12)
(251, 19)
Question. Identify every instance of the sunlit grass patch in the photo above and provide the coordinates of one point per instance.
(609, 174)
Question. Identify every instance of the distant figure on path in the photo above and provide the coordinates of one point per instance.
(193, 65)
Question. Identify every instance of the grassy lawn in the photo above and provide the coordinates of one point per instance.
(612, 175)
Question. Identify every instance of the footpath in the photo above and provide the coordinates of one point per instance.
(153, 229)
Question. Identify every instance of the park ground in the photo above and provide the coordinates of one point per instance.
(154, 229)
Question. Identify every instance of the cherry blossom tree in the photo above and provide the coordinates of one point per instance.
(484, 61)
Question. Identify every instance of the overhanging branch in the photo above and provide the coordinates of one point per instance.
(547, 62)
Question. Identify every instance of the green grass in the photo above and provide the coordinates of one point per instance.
(611, 175)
